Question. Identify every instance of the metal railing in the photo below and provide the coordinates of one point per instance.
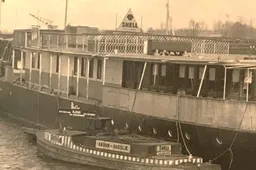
(126, 44)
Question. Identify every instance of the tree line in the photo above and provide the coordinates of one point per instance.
(230, 29)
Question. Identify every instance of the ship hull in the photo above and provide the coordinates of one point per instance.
(42, 108)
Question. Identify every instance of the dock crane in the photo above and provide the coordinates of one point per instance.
(44, 21)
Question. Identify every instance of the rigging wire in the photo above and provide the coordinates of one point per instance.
(179, 126)
(232, 143)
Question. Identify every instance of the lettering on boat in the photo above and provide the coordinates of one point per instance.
(73, 106)
(164, 150)
(75, 110)
(119, 147)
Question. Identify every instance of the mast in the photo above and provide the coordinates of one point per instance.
(167, 18)
(66, 15)
(1, 1)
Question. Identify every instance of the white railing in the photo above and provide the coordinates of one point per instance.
(126, 44)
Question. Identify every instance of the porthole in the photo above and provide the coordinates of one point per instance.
(188, 136)
(170, 133)
(154, 131)
(218, 141)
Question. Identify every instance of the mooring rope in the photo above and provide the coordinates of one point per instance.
(180, 129)
(232, 143)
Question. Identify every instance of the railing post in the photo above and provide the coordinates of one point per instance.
(59, 74)
(137, 43)
(202, 79)
(247, 85)
(66, 40)
(57, 45)
(83, 43)
(104, 71)
(77, 76)
(87, 78)
(225, 82)
(13, 58)
(142, 76)
(49, 41)
(68, 74)
(21, 67)
(40, 70)
(76, 42)
(26, 39)
(125, 45)
(50, 82)
(105, 45)
(30, 70)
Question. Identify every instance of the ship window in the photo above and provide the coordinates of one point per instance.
(57, 63)
(91, 68)
(182, 71)
(235, 76)
(191, 71)
(212, 73)
(33, 60)
(75, 65)
(99, 69)
(83, 67)
(38, 60)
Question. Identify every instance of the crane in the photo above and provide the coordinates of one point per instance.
(44, 21)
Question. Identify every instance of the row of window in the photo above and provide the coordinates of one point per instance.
(36, 57)
(83, 67)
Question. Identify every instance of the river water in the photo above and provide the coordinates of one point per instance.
(17, 152)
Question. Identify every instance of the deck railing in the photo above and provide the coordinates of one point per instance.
(117, 43)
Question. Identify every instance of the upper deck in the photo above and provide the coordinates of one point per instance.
(117, 43)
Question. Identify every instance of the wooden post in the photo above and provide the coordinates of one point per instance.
(202, 79)
(142, 76)
(57, 45)
(13, 58)
(21, 67)
(40, 70)
(59, 74)
(68, 75)
(247, 85)
(66, 39)
(77, 77)
(83, 43)
(87, 78)
(104, 71)
(30, 70)
(50, 82)
(225, 82)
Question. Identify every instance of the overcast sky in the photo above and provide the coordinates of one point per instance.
(102, 13)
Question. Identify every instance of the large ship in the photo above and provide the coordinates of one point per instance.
(186, 89)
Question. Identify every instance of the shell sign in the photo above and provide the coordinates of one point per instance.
(129, 23)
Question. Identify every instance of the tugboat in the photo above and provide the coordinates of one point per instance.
(97, 143)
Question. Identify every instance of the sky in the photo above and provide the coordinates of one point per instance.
(102, 13)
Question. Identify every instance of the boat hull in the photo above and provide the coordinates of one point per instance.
(206, 142)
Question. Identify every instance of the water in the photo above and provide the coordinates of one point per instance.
(17, 152)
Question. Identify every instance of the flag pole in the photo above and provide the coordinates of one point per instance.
(66, 13)
(0, 13)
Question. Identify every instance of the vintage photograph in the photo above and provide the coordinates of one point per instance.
(127, 85)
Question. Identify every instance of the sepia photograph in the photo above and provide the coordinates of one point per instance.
(127, 85)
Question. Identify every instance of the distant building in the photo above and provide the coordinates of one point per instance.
(82, 29)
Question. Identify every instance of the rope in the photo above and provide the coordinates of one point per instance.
(180, 129)
(232, 143)
(131, 111)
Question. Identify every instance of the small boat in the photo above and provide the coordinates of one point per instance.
(99, 144)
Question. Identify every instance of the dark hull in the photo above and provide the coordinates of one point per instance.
(201, 141)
